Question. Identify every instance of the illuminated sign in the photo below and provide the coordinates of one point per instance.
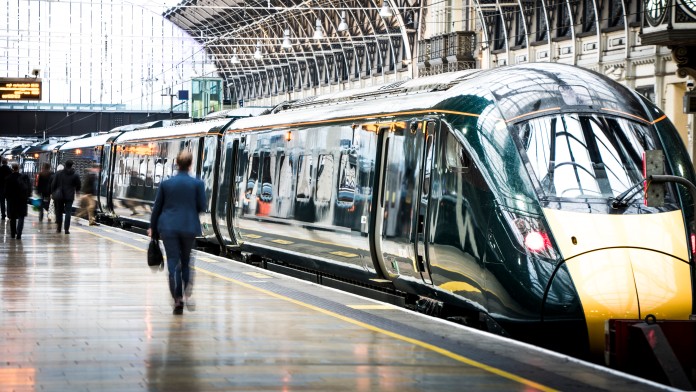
(20, 89)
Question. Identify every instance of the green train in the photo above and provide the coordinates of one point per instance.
(496, 197)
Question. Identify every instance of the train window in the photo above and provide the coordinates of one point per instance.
(159, 171)
(304, 178)
(347, 179)
(584, 156)
(252, 177)
(457, 157)
(119, 172)
(266, 178)
(428, 165)
(167, 166)
(148, 172)
(285, 177)
(325, 178)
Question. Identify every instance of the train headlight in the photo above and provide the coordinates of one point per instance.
(537, 241)
(531, 232)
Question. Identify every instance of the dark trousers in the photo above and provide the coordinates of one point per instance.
(2, 204)
(45, 202)
(178, 249)
(16, 226)
(63, 207)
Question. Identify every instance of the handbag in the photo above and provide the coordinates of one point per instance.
(154, 254)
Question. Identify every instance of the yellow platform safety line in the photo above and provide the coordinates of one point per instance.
(344, 254)
(207, 260)
(373, 307)
(283, 242)
(258, 275)
(251, 236)
(415, 342)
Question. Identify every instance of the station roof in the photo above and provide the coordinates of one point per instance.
(246, 37)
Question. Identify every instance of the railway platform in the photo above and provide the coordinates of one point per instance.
(83, 312)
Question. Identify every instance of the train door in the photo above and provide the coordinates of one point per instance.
(423, 229)
(226, 187)
(395, 228)
(207, 155)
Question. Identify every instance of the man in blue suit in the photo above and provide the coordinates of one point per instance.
(175, 220)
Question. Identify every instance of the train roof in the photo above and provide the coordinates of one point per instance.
(194, 128)
(518, 91)
(394, 97)
(133, 127)
(91, 141)
(44, 145)
(246, 111)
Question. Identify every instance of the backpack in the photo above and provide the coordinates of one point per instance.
(24, 185)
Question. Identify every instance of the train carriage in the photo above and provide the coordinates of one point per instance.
(479, 193)
(142, 159)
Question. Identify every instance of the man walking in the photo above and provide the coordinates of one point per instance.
(63, 188)
(17, 191)
(4, 172)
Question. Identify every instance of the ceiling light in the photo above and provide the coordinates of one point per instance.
(343, 26)
(385, 12)
(318, 32)
(258, 55)
(286, 40)
(235, 59)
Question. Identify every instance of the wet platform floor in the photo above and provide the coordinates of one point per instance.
(83, 312)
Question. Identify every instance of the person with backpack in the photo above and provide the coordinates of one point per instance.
(17, 191)
(63, 188)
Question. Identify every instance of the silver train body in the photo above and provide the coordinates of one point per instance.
(483, 195)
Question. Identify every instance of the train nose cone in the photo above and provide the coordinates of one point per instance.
(629, 283)
(625, 265)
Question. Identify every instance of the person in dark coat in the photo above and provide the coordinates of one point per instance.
(43, 187)
(175, 219)
(4, 172)
(63, 188)
(17, 191)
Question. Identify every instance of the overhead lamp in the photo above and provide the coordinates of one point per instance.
(258, 55)
(343, 26)
(385, 12)
(286, 40)
(318, 31)
(235, 59)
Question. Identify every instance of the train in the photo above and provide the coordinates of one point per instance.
(497, 198)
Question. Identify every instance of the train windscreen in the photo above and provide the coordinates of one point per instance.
(585, 156)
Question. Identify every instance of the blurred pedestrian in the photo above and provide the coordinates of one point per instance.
(43, 188)
(87, 203)
(4, 172)
(63, 188)
(175, 220)
(17, 192)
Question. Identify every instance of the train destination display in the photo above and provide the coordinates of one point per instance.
(20, 89)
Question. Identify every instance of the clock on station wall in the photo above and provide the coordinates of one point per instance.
(655, 10)
(690, 7)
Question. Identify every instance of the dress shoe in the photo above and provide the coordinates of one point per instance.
(178, 307)
(67, 231)
(19, 237)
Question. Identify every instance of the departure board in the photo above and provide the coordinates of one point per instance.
(20, 89)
